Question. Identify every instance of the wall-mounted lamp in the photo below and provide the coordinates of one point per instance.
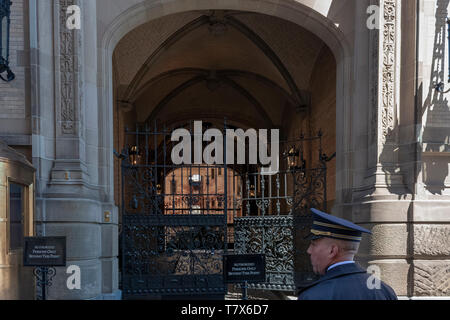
(294, 158)
(5, 23)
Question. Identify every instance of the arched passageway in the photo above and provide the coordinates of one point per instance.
(254, 70)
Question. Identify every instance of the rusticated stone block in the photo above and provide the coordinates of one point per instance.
(90, 281)
(387, 240)
(432, 240)
(431, 278)
(394, 272)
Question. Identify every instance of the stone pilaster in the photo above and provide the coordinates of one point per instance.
(381, 202)
(384, 60)
(72, 200)
(69, 164)
(404, 198)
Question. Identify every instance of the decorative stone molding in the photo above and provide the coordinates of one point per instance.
(388, 67)
(8, 154)
(384, 176)
(69, 168)
(69, 68)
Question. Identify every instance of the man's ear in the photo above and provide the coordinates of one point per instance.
(334, 250)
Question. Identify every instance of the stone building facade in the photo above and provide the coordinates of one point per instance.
(367, 80)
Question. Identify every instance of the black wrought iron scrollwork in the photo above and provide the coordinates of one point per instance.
(164, 250)
(172, 240)
(272, 236)
(309, 190)
(283, 218)
(44, 277)
(326, 158)
(192, 200)
(141, 188)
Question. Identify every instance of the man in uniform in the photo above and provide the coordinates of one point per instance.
(334, 244)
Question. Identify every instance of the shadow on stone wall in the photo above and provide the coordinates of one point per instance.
(422, 160)
(398, 158)
(435, 137)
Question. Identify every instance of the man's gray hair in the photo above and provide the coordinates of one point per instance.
(348, 246)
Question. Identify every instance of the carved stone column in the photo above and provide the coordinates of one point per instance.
(69, 166)
(403, 198)
(72, 199)
(383, 157)
(382, 201)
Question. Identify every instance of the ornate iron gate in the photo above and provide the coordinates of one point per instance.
(276, 217)
(174, 221)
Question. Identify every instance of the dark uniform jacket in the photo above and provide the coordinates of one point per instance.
(346, 282)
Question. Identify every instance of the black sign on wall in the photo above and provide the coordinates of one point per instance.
(44, 252)
(244, 268)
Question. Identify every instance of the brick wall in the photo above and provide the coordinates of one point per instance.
(14, 102)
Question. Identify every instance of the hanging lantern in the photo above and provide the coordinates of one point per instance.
(134, 155)
(252, 190)
(158, 189)
(5, 23)
(292, 157)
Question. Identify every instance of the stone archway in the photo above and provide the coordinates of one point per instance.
(299, 13)
(335, 41)
(74, 145)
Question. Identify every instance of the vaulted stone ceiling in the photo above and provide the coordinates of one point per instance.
(211, 65)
